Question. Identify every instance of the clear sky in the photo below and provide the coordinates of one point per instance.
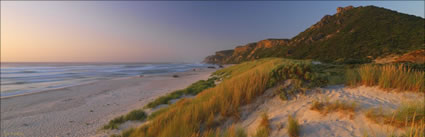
(148, 31)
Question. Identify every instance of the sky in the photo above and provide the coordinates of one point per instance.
(161, 31)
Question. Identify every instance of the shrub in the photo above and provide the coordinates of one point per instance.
(114, 123)
(138, 114)
(135, 115)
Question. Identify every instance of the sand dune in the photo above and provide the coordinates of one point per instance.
(314, 124)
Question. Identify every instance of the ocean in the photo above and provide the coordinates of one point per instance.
(22, 78)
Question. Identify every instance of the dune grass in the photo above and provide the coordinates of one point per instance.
(157, 112)
(390, 76)
(325, 107)
(232, 131)
(410, 117)
(190, 117)
(135, 115)
(193, 89)
(293, 127)
(405, 115)
(125, 133)
(263, 129)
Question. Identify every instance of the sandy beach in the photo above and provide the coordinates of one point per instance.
(82, 110)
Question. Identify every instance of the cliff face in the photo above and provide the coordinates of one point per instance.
(244, 52)
(219, 57)
(352, 35)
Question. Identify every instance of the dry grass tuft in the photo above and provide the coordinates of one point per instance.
(293, 127)
(407, 114)
(400, 77)
(410, 117)
(263, 129)
(325, 107)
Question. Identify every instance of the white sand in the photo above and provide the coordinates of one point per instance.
(82, 110)
(314, 124)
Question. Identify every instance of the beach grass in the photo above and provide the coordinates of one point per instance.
(293, 127)
(325, 107)
(403, 116)
(387, 77)
(135, 115)
(263, 129)
(232, 131)
(410, 117)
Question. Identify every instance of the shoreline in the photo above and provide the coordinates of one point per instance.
(87, 83)
(82, 110)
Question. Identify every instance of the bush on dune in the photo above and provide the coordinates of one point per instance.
(135, 115)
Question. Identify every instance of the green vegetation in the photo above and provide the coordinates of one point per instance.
(410, 116)
(293, 127)
(193, 89)
(355, 36)
(135, 115)
(241, 84)
(264, 127)
(303, 75)
(125, 133)
(232, 131)
(188, 116)
(359, 33)
(157, 112)
(325, 107)
(407, 114)
(388, 77)
(287, 91)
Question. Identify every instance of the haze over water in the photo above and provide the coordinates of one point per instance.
(21, 78)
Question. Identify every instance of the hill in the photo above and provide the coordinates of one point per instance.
(352, 35)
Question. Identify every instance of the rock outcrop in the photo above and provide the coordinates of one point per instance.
(340, 10)
(219, 57)
(416, 56)
(244, 52)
